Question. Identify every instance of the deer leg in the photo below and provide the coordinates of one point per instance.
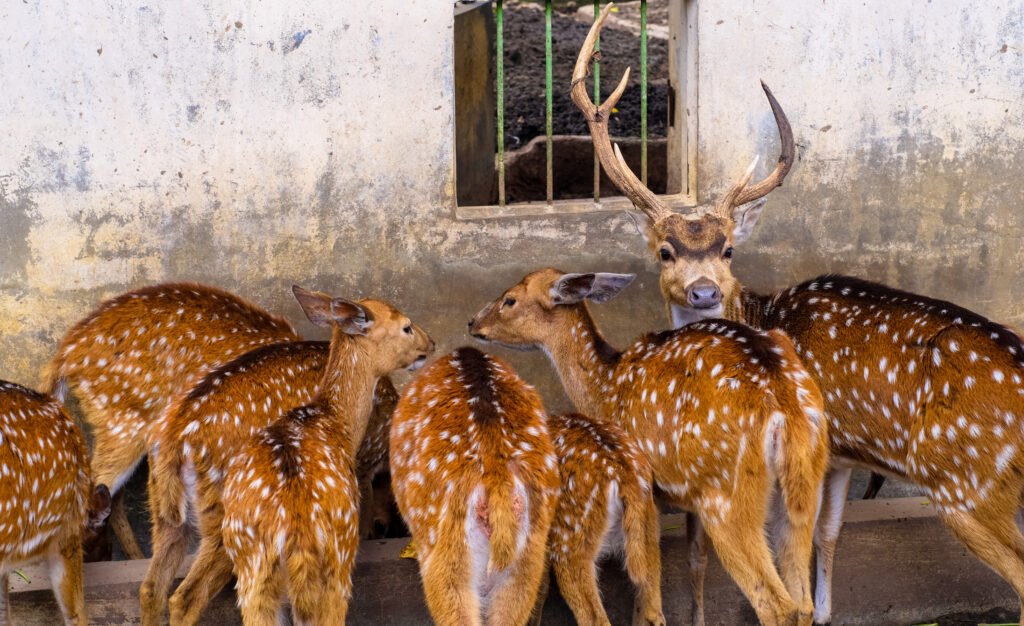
(446, 584)
(114, 460)
(64, 562)
(209, 573)
(513, 601)
(260, 592)
(830, 521)
(170, 542)
(794, 546)
(542, 596)
(697, 551)
(643, 558)
(993, 536)
(577, 580)
(742, 547)
(365, 507)
(123, 528)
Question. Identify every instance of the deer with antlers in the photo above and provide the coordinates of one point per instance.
(914, 387)
(192, 451)
(47, 499)
(290, 498)
(476, 478)
(725, 415)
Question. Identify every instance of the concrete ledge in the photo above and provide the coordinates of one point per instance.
(896, 564)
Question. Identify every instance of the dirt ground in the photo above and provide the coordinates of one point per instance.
(524, 73)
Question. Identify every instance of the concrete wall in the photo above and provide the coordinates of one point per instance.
(253, 145)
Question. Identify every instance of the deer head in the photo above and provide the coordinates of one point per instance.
(535, 311)
(694, 251)
(397, 341)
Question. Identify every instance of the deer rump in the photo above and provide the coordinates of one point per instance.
(497, 528)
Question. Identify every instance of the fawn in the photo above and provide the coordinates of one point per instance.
(475, 477)
(605, 506)
(724, 414)
(192, 450)
(290, 497)
(914, 387)
(135, 353)
(47, 499)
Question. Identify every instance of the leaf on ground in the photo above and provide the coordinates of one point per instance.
(409, 551)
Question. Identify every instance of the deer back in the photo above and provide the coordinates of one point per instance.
(467, 419)
(714, 400)
(137, 351)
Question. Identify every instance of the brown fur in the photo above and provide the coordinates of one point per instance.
(597, 463)
(720, 426)
(465, 433)
(252, 391)
(129, 358)
(290, 498)
(47, 501)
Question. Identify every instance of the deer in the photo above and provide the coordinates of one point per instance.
(48, 502)
(605, 506)
(128, 358)
(724, 414)
(290, 498)
(914, 387)
(192, 451)
(475, 477)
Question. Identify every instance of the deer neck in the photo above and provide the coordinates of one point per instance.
(747, 307)
(346, 389)
(585, 362)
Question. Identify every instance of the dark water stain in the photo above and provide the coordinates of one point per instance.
(290, 43)
(16, 211)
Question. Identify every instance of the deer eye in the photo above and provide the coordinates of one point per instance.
(510, 301)
(665, 254)
(408, 329)
(728, 253)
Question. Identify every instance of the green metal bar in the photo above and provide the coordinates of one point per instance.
(643, 91)
(499, 21)
(548, 90)
(597, 100)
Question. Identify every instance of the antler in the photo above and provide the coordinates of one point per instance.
(597, 120)
(739, 193)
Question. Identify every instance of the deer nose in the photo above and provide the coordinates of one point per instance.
(703, 294)
(469, 324)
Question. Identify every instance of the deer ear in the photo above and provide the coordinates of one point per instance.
(607, 286)
(641, 223)
(745, 218)
(351, 317)
(99, 506)
(599, 287)
(316, 305)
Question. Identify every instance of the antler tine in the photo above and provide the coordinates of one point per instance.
(786, 155)
(597, 121)
(726, 203)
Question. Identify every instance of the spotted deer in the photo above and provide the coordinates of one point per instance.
(191, 452)
(725, 415)
(47, 499)
(291, 503)
(476, 478)
(137, 352)
(914, 387)
(605, 505)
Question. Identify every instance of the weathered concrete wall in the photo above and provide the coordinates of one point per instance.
(253, 145)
